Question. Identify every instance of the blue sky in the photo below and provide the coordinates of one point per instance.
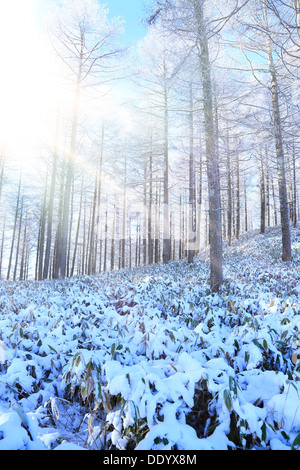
(133, 12)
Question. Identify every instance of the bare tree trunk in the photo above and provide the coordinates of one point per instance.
(157, 231)
(262, 195)
(41, 243)
(19, 239)
(68, 187)
(245, 205)
(105, 242)
(91, 261)
(166, 209)
(238, 202)
(213, 176)
(77, 232)
(199, 199)
(22, 275)
(99, 190)
(112, 248)
(284, 207)
(229, 194)
(274, 203)
(150, 241)
(192, 206)
(2, 246)
(129, 240)
(51, 204)
(14, 232)
(145, 214)
(57, 247)
(123, 241)
(294, 187)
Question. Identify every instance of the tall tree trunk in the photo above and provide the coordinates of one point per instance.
(92, 242)
(41, 244)
(192, 206)
(98, 212)
(245, 205)
(229, 193)
(51, 203)
(145, 213)
(238, 202)
(284, 207)
(123, 242)
(274, 203)
(19, 239)
(157, 231)
(294, 188)
(58, 238)
(150, 241)
(22, 276)
(166, 209)
(213, 175)
(2, 246)
(68, 184)
(262, 195)
(14, 232)
(77, 232)
(112, 248)
(105, 241)
(199, 201)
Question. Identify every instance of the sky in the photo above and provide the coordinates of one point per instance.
(133, 11)
(26, 93)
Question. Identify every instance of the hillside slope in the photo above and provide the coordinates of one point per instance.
(148, 359)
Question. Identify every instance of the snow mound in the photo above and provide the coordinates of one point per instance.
(149, 359)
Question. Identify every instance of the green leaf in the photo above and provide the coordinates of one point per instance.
(211, 429)
(296, 442)
(265, 345)
(284, 434)
(290, 375)
(159, 440)
(83, 390)
(172, 337)
(228, 400)
(258, 344)
(264, 432)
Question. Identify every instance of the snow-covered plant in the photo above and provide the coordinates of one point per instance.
(148, 358)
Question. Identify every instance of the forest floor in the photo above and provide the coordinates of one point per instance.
(149, 359)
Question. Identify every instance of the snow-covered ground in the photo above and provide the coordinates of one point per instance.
(148, 359)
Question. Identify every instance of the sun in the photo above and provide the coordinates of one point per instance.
(27, 93)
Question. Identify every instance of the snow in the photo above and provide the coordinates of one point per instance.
(148, 359)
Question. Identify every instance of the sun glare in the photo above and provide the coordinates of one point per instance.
(26, 92)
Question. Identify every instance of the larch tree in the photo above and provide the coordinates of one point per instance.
(187, 18)
(156, 77)
(85, 41)
(260, 39)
